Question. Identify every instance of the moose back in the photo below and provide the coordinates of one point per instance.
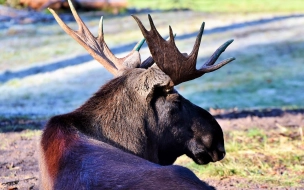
(135, 123)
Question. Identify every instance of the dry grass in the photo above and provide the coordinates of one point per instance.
(274, 158)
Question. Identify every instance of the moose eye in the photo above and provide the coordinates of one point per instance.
(168, 90)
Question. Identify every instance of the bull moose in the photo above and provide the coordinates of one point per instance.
(127, 132)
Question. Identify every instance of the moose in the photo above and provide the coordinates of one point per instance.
(129, 132)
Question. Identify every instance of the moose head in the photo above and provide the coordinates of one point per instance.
(139, 111)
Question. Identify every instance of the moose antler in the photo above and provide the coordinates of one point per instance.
(96, 46)
(180, 67)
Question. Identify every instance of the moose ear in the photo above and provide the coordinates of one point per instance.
(133, 61)
(151, 78)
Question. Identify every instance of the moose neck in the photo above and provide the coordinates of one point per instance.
(118, 118)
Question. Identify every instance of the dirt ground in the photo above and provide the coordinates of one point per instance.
(19, 137)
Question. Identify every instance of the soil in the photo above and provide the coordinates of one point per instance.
(18, 151)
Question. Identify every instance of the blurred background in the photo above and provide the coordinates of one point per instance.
(43, 71)
(258, 99)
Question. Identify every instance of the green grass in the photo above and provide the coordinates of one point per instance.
(266, 157)
(224, 6)
(11, 3)
(262, 78)
(29, 134)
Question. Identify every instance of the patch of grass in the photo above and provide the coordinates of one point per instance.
(265, 157)
(12, 3)
(14, 82)
(17, 128)
(29, 134)
(224, 6)
(20, 123)
(255, 132)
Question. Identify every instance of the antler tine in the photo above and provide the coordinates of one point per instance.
(145, 31)
(109, 55)
(139, 44)
(150, 61)
(171, 35)
(194, 53)
(78, 36)
(180, 67)
(208, 65)
(96, 47)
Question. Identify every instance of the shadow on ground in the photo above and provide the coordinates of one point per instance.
(18, 124)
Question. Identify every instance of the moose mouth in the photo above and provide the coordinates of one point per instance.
(202, 158)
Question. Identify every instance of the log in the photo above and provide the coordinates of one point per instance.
(89, 4)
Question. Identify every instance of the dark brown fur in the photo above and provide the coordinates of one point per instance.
(152, 123)
(90, 164)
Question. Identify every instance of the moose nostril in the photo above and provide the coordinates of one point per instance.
(223, 154)
(221, 148)
(220, 154)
